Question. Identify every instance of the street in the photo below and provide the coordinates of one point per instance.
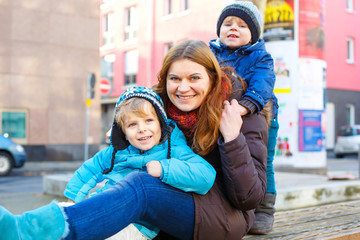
(18, 184)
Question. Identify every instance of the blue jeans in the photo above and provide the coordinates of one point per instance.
(138, 197)
(273, 131)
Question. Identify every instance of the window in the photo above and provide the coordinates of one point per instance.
(131, 23)
(13, 124)
(349, 5)
(167, 7)
(107, 72)
(108, 29)
(167, 47)
(131, 67)
(350, 114)
(184, 5)
(350, 50)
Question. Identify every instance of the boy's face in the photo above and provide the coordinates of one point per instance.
(142, 132)
(234, 32)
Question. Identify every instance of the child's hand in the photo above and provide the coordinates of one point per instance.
(70, 201)
(154, 168)
(231, 122)
(243, 110)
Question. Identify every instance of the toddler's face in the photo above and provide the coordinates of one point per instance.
(234, 32)
(143, 132)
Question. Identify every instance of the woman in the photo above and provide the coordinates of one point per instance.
(194, 90)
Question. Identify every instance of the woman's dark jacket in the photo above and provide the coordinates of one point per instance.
(227, 210)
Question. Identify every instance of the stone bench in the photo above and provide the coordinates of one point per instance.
(333, 221)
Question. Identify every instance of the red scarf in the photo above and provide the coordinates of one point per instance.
(186, 121)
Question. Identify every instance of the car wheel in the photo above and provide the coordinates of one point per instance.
(338, 155)
(6, 163)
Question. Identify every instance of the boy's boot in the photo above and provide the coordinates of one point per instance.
(47, 222)
(264, 215)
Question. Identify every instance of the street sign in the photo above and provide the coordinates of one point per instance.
(105, 87)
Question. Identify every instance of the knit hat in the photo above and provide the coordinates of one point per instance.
(117, 138)
(248, 12)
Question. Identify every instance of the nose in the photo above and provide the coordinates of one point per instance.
(183, 86)
(141, 127)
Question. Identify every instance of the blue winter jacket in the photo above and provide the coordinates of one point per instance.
(255, 65)
(185, 170)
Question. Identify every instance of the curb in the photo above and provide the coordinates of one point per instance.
(309, 196)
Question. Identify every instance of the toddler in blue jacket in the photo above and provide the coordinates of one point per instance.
(143, 139)
(239, 46)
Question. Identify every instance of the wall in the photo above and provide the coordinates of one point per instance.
(47, 49)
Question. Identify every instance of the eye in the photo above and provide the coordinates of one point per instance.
(149, 120)
(131, 125)
(195, 78)
(173, 78)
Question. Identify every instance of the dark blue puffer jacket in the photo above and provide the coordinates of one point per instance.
(255, 65)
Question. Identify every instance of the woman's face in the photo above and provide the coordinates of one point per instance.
(187, 84)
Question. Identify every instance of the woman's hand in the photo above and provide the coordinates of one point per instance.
(231, 121)
(243, 110)
(154, 168)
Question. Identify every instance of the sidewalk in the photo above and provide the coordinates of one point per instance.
(294, 190)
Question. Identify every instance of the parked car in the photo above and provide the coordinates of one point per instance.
(348, 141)
(11, 155)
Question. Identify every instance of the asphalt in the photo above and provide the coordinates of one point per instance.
(294, 190)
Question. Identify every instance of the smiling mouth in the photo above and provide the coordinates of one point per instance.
(145, 138)
(185, 97)
(232, 36)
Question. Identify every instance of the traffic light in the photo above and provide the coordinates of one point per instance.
(91, 86)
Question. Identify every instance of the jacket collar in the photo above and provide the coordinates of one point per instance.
(243, 50)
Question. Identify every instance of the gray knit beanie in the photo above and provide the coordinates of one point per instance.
(248, 12)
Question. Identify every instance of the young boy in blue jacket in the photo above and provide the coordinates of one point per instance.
(143, 139)
(239, 46)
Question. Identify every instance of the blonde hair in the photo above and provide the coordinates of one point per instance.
(138, 106)
(209, 113)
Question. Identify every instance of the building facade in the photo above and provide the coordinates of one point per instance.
(342, 55)
(47, 49)
(136, 35)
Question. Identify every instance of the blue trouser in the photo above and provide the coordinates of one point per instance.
(273, 131)
(138, 197)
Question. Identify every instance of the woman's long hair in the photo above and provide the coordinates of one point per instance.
(209, 113)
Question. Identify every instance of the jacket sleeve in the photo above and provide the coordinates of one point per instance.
(243, 163)
(186, 170)
(87, 176)
(262, 80)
